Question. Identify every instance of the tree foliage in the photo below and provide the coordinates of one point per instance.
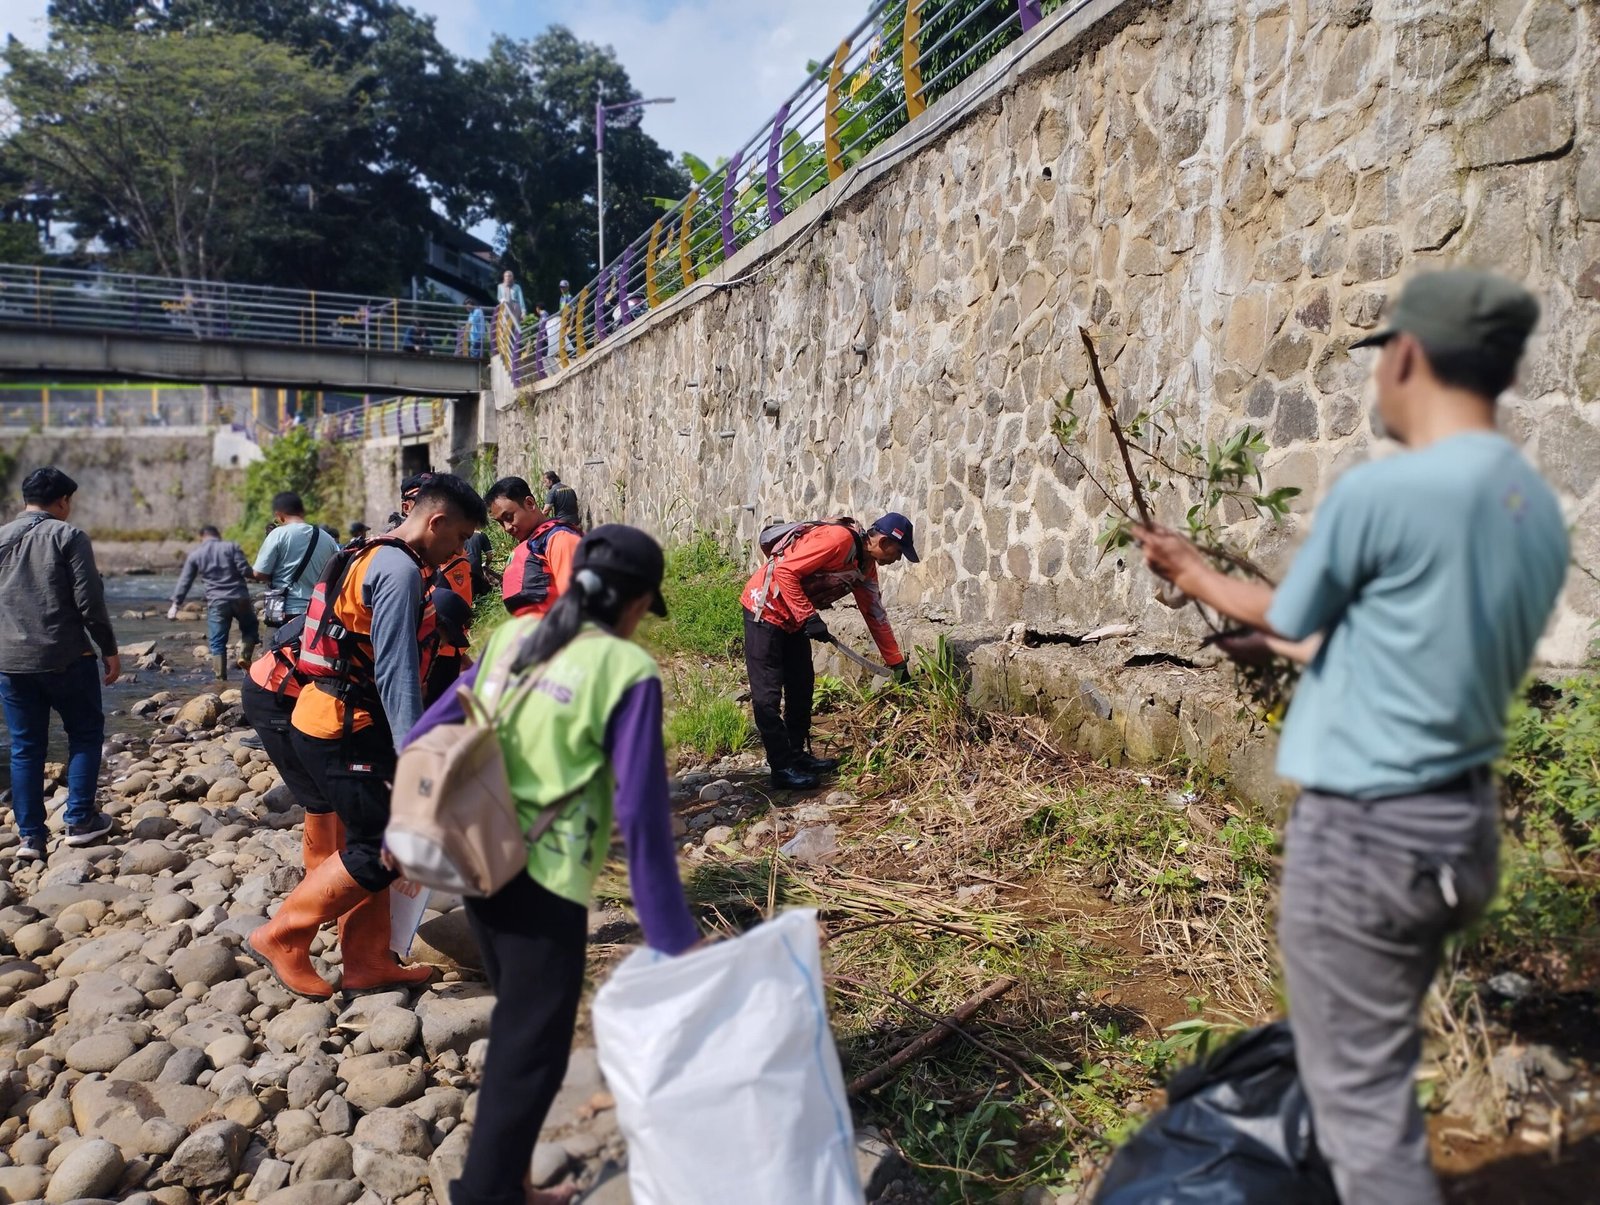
(161, 138)
(412, 133)
(533, 172)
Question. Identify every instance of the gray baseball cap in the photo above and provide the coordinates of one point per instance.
(1462, 309)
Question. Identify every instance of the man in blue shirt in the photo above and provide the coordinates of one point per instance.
(294, 554)
(1429, 577)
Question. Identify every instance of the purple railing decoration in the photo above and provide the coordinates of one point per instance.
(625, 274)
(539, 349)
(600, 305)
(730, 184)
(1028, 10)
(774, 165)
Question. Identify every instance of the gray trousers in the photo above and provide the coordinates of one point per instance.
(1370, 891)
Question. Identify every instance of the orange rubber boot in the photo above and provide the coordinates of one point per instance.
(368, 961)
(284, 942)
(322, 837)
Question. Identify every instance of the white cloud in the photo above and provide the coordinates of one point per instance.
(729, 64)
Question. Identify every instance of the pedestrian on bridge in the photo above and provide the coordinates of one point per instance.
(1429, 576)
(52, 619)
(222, 569)
(509, 298)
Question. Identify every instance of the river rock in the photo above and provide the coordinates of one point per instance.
(398, 1130)
(308, 1082)
(389, 1175)
(209, 1157)
(383, 1087)
(329, 1158)
(200, 712)
(101, 998)
(39, 937)
(92, 1170)
(170, 909)
(145, 1064)
(205, 962)
(447, 941)
(115, 1110)
(151, 857)
(447, 1162)
(317, 1192)
(303, 1020)
(453, 1020)
(100, 1051)
(23, 1183)
(394, 1028)
(158, 1136)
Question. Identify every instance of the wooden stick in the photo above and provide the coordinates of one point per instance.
(925, 1042)
(1116, 428)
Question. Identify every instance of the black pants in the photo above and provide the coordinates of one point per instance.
(533, 945)
(353, 775)
(269, 715)
(781, 685)
(442, 674)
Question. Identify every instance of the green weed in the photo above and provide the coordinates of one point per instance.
(707, 721)
(702, 587)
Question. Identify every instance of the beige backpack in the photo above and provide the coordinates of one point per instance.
(453, 824)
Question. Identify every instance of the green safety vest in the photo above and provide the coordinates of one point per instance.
(554, 745)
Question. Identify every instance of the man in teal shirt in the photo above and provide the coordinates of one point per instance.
(1428, 577)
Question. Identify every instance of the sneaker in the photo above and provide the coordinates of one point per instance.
(251, 741)
(793, 778)
(90, 831)
(816, 765)
(31, 850)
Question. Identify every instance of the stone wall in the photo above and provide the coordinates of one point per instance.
(132, 484)
(1227, 192)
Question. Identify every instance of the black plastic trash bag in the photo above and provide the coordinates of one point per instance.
(1236, 1131)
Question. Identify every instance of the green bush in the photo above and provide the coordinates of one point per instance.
(709, 722)
(702, 587)
(289, 462)
(1549, 895)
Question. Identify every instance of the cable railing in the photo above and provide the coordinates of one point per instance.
(881, 77)
(75, 299)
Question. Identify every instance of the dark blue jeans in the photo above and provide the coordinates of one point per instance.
(220, 617)
(74, 694)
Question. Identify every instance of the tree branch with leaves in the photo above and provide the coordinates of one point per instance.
(1208, 479)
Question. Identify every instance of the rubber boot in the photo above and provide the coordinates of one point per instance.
(322, 837)
(247, 656)
(368, 961)
(284, 942)
(219, 666)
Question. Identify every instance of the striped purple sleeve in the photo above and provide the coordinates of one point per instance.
(644, 814)
(446, 710)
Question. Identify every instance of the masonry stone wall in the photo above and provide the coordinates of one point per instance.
(1226, 192)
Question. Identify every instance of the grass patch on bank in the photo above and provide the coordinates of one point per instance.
(706, 720)
(702, 586)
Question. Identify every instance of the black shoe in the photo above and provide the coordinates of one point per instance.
(90, 831)
(816, 765)
(31, 850)
(251, 741)
(793, 778)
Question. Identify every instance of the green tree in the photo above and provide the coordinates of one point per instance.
(182, 141)
(533, 171)
(356, 219)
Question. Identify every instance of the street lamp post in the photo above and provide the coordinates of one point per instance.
(601, 112)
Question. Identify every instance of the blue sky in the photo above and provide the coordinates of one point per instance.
(728, 63)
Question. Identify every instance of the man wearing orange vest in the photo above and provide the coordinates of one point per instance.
(454, 621)
(811, 566)
(368, 643)
(541, 564)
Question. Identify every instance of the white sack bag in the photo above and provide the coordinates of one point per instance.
(726, 1078)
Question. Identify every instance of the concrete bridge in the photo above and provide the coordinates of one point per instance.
(62, 323)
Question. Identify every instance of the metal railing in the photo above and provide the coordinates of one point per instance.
(901, 58)
(72, 299)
